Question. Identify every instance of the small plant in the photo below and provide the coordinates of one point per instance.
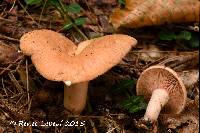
(134, 104)
(33, 2)
(73, 8)
(188, 37)
(169, 36)
(121, 2)
(123, 86)
(194, 41)
(64, 11)
(78, 22)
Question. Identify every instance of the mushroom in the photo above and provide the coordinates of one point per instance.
(164, 90)
(57, 58)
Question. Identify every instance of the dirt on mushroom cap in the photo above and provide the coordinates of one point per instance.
(53, 57)
(161, 77)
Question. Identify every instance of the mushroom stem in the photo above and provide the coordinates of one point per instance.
(158, 99)
(75, 97)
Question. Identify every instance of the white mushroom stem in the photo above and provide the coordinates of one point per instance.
(158, 99)
(75, 97)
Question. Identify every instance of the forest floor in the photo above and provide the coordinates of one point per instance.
(26, 96)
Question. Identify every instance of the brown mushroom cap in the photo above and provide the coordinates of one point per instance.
(55, 56)
(161, 77)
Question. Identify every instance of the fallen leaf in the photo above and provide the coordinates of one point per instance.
(139, 13)
(106, 26)
(150, 52)
(189, 78)
(7, 54)
(186, 122)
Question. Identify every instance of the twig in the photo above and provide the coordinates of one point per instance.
(28, 13)
(16, 95)
(8, 38)
(10, 91)
(180, 62)
(4, 87)
(20, 99)
(10, 65)
(27, 85)
(2, 68)
(13, 5)
(68, 19)
(13, 114)
(42, 11)
(7, 20)
(84, 36)
(22, 106)
(15, 82)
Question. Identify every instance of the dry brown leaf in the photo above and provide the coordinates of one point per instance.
(7, 54)
(189, 77)
(186, 122)
(139, 13)
(150, 52)
(183, 124)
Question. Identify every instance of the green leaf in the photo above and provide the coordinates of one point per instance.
(184, 35)
(123, 85)
(54, 3)
(166, 36)
(194, 41)
(121, 2)
(139, 107)
(68, 26)
(134, 104)
(33, 2)
(73, 8)
(80, 21)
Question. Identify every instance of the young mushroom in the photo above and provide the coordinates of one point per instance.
(57, 58)
(164, 90)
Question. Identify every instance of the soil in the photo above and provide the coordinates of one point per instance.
(28, 98)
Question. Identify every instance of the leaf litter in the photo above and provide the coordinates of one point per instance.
(25, 95)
